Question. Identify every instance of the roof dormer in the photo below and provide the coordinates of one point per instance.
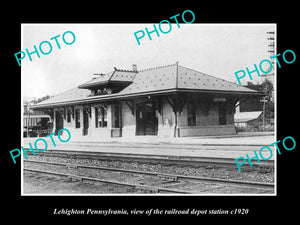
(112, 82)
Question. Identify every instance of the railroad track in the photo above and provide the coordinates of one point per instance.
(162, 159)
(163, 183)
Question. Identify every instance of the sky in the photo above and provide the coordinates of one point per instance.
(215, 49)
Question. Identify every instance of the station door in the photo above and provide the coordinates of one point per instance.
(146, 119)
(85, 122)
(59, 122)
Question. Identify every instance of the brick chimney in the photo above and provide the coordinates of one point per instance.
(134, 67)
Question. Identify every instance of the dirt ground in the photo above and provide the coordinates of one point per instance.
(43, 184)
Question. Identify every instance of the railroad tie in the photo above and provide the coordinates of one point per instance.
(75, 178)
(146, 189)
(167, 177)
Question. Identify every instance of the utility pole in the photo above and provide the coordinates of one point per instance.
(271, 51)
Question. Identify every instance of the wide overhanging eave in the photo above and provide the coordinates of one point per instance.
(115, 97)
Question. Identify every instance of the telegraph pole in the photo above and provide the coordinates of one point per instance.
(271, 51)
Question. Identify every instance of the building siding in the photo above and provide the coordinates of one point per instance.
(207, 121)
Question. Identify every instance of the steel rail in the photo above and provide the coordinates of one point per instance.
(183, 160)
(237, 183)
(138, 186)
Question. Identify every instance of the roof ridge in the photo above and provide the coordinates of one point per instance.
(129, 71)
(111, 75)
(153, 68)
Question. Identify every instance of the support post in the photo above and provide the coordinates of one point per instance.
(130, 105)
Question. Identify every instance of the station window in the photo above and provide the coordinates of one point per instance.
(101, 116)
(222, 113)
(34, 122)
(191, 111)
(77, 118)
(68, 116)
(116, 116)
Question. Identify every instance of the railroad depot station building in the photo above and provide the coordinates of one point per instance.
(167, 101)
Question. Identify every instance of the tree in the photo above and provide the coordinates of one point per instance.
(40, 99)
(267, 88)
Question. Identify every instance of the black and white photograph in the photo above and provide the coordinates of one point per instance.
(112, 113)
(139, 112)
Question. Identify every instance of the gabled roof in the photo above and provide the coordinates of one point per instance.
(70, 95)
(154, 79)
(192, 79)
(165, 79)
(243, 117)
(179, 77)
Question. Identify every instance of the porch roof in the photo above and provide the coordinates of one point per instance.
(154, 81)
